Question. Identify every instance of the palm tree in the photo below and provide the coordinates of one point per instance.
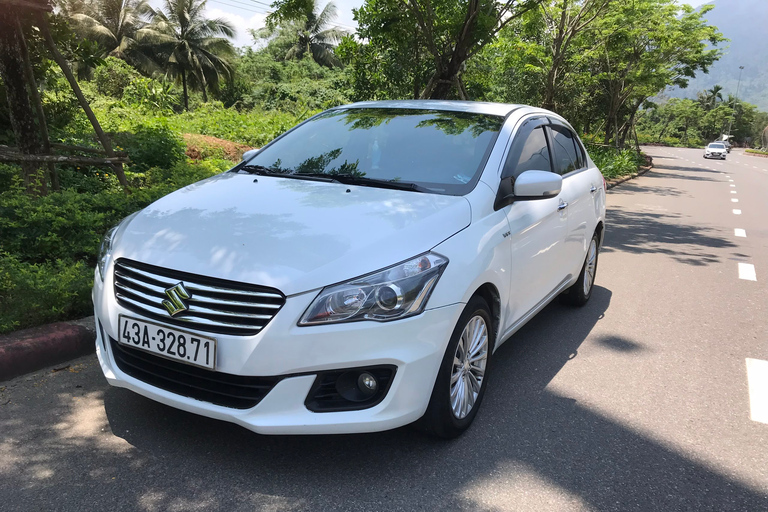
(710, 97)
(315, 35)
(113, 24)
(188, 46)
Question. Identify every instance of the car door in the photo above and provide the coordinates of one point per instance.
(579, 189)
(537, 227)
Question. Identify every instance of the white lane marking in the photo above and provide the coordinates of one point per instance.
(730, 180)
(757, 382)
(734, 200)
(733, 191)
(740, 232)
(754, 166)
(747, 272)
(737, 212)
(727, 176)
(733, 185)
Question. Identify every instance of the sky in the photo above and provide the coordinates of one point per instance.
(250, 14)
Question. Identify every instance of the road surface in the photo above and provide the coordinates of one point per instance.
(652, 397)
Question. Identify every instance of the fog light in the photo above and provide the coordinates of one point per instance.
(367, 383)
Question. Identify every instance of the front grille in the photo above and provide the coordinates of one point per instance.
(218, 388)
(214, 305)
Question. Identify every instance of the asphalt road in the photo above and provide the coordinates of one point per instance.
(638, 401)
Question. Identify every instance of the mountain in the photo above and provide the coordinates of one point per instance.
(745, 23)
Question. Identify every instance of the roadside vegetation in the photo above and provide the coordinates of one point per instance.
(172, 93)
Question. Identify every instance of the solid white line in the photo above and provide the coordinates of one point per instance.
(747, 272)
(740, 232)
(757, 382)
(737, 212)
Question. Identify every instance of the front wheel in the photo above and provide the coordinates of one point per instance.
(461, 379)
(580, 292)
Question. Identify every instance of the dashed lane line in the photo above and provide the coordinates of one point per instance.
(737, 212)
(733, 191)
(747, 272)
(757, 382)
(734, 200)
(740, 232)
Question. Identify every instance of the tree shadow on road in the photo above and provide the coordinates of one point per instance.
(662, 233)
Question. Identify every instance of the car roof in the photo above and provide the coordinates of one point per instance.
(477, 107)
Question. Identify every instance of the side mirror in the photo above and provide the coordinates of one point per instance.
(250, 154)
(529, 186)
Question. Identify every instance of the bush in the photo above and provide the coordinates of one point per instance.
(153, 144)
(36, 293)
(113, 77)
(613, 163)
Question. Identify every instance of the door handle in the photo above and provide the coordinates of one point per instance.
(562, 206)
(593, 189)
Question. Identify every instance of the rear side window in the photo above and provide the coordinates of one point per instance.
(568, 156)
(529, 152)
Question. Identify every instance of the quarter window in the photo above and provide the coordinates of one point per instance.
(529, 152)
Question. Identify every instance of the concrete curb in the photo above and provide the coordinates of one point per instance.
(32, 349)
(618, 181)
(756, 154)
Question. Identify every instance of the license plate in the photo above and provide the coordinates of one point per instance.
(171, 343)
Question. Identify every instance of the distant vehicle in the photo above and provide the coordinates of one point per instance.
(727, 146)
(715, 150)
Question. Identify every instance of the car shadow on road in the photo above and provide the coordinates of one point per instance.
(662, 233)
(523, 429)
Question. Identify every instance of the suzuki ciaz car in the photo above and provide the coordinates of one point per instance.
(357, 273)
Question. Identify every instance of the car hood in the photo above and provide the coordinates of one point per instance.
(294, 235)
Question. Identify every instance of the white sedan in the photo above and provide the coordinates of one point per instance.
(357, 273)
(715, 150)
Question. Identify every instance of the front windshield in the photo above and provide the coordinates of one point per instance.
(438, 150)
(716, 146)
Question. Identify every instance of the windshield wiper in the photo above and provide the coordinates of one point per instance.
(262, 170)
(349, 179)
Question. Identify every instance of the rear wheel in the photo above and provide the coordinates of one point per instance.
(580, 292)
(461, 379)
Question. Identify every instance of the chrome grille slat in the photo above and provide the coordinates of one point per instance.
(201, 288)
(211, 303)
(214, 305)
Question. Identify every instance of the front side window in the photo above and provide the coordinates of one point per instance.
(442, 151)
(529, 152)
(567, 155)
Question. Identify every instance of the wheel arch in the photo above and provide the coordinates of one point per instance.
(491, 295)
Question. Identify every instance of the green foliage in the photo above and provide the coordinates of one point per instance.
(757, 151)
(152, 96)
(153, 144)
(113, 77)
(36, 293)
(613, 163)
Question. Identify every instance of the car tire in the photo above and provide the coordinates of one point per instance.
(580, 292)
(447, 416)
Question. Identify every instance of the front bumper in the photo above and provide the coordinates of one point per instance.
(414, 345)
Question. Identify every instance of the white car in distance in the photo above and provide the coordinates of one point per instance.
(357, 273)
(715, 150)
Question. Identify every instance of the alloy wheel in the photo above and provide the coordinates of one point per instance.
(469, 364)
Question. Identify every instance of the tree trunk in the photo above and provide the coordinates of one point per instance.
(21, 114)
(106, 144)
(37, 102)
(184, 86)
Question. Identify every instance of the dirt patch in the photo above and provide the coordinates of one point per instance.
(200, 147)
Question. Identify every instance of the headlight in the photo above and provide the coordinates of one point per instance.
(395, 292)
(105, 249)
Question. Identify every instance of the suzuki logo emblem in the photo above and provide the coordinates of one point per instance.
(175, 304)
